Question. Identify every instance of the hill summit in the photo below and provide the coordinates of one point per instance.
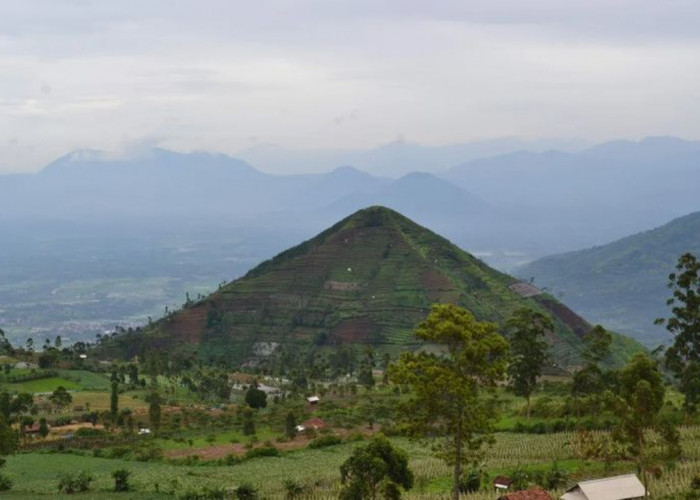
(369, 279)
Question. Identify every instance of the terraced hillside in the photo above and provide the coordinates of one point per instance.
(369, 279)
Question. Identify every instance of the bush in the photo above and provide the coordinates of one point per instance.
(265, 451)
(246, 491)
(119, 452)
(121, 479)
(5, 483)
(89, 432)
(68, 483)
(324, 441)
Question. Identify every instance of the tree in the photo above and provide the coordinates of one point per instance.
(154, 410)
(43, 427)
(528, 348)
(248, 422)
(447, 391)
(290, 426)
(641, 398)
(121, 479)
(114, 401)
(683, 357)
(8, 438)
(374, 469)
(598, 342)
(255, 398)
(61, 397)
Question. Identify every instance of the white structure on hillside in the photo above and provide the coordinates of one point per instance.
(627, 487)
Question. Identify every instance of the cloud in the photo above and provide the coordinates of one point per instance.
(212, 74)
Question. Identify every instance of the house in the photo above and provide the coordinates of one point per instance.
(313, 400)
(627, 487)
(531, 494)
(501, 483)
(314, 423)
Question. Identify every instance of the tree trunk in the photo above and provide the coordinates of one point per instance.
(528, 406)
(457, 471)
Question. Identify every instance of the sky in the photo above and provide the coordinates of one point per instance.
(226, 75)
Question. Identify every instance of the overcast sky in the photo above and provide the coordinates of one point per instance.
(225, 75)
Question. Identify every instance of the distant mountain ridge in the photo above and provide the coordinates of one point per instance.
(368, 279)
(622, 284)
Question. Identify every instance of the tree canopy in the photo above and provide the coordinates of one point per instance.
(447, 390)
(683, 357)
(374, 471)
(528, 350)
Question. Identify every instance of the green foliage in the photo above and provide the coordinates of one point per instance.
(598, 342)
(290, 426)
(255, 398)
(447, 391)
(640, 400)
(374, 470)
(246, 491)
(683, 357)
(247, 417)
(324, 441)
(61, 397)
(8, 438)
(263, 451)
(114, 401)
(70, 483)
(293, 489)
(154, 413)
(528, 350)
(121, 480)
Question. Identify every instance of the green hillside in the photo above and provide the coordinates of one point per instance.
(368, 279)
(622, 284)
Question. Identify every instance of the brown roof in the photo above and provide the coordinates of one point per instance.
(533, 494)
(313, 423)
(504, 480)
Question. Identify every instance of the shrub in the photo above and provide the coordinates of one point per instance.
(68, 483)
(264, 451)
(5, 483)
(89, 432)
(246, 491)
(121, 479)
(324, 441)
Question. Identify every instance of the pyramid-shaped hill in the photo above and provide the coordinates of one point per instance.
(369, 279)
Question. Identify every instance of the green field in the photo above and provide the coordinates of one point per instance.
(36, 474)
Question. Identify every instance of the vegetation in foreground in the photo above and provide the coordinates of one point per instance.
(198, 431)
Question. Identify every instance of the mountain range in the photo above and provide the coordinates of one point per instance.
(95, 240)
(622, 284)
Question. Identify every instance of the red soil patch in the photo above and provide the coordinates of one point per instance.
(579, 325)
(354, 330)
(189, 324)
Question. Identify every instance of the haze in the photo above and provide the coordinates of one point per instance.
(226, 76)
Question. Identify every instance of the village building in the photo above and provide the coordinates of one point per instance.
(627, 487)
(501, 483)
(313, 400)
(314, 423)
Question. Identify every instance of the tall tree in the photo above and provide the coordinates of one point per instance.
(154, 410)
(683, 357)
(598, 342)
(528, 350)
(638, 405)
(114, 401)
(447, 391)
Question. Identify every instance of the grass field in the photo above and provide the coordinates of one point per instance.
(36, 474)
